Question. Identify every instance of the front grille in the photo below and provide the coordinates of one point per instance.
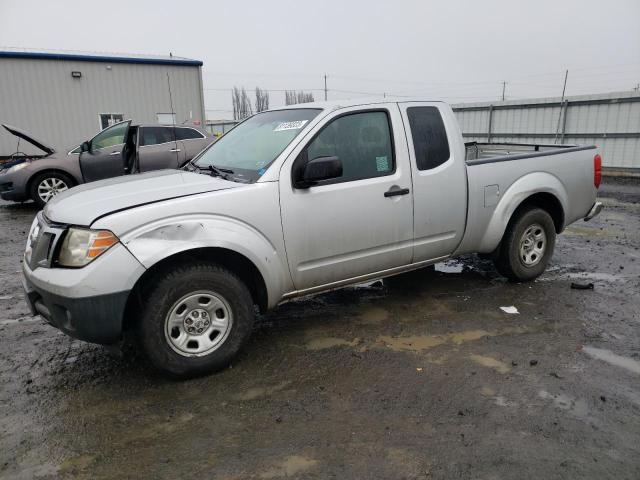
(44, 243)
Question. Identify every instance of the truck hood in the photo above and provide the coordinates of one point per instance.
(83, 204)
(27, 137)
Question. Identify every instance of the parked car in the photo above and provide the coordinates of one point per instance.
(120, 149)
(291, 202)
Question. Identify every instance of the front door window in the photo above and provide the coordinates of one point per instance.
(362, 141)
(111, 136)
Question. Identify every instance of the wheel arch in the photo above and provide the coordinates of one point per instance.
(545, 201)
(539, 189)
(49, 170)
(233, 261)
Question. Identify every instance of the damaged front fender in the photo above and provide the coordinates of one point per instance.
(161, 240)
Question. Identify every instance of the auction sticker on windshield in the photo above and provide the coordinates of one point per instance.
(290, 125)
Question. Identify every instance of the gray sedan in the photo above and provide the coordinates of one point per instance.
(120, 149)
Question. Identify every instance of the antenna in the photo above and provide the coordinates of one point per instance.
(564, 88)
(325, 88)
(173, 119)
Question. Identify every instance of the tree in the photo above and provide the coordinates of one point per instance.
(291, 97)
(262, 100)
(241, 104)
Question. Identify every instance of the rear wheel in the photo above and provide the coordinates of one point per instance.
(195, 319)
(527, 245)
(47, 185)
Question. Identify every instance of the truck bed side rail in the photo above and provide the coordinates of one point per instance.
(482, 153)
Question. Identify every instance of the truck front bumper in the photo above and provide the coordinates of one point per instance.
(86, 303)
(96, 319)
(595, 210)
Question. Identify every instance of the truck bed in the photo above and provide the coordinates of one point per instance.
(501, 175)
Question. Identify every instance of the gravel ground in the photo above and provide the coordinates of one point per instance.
(420, 377)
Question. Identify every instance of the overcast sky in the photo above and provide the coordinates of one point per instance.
(459, 51)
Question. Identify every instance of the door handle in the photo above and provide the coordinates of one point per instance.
(174, 150)
(114, 153)
(395, 191)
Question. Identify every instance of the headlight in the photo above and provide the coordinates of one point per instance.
(15, 168)
(81, 246)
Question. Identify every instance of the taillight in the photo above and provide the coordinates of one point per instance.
(597, 170)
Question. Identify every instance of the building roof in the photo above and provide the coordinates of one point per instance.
(11, 52)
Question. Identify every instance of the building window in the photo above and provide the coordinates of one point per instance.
(166, 118)
(108, 119)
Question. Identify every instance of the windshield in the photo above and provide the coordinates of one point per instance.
(253, 145)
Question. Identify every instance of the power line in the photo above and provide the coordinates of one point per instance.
(266, 89)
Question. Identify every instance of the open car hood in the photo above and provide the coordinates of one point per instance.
(25, 136)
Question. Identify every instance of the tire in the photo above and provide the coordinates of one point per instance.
(188, 297)
(46, 185)
(527, 245)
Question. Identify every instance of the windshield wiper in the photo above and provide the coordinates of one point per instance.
(219, 172)
(215, 171)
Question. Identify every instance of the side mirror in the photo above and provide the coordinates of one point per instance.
(318, 169)
(85, 147)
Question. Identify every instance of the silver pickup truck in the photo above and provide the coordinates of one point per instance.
(291, 202)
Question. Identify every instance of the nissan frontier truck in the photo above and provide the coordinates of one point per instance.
(293, 201)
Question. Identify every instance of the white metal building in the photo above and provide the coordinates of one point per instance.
(64, 98)
(611, 121)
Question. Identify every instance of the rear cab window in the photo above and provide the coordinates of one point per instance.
(430, 142)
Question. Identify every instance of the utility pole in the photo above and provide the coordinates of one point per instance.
(564, 89)
(504, 84)
(325, 88)
(637, 87)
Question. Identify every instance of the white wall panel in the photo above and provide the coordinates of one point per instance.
(39, 95)
(535, 121)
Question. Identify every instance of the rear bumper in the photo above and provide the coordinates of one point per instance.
(595, 210)
(96, 319)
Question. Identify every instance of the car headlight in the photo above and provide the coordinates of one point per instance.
(81, 246)
(15, 168)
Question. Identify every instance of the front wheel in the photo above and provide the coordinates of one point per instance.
(46, 185)
(527, 245)
(195, 319)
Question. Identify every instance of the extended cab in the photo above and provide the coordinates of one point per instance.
(291, 202)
